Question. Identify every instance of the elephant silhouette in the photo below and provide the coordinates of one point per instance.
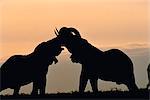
(20, 70)
(148, 73)
(112, 65)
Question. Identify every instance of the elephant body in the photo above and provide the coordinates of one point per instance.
(112, 65)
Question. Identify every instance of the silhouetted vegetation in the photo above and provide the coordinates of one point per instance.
(141, 94)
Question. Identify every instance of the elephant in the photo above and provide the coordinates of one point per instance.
(111, 65)
(148, 73)
(20, 70)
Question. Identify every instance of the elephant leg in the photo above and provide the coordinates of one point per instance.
(16, 90)
(147, 85)
(83, 81)
(35, 88)
(42, 85)
(94, 86)
(131, 84)
(148, 72)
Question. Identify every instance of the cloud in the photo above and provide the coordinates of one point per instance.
(137, 45)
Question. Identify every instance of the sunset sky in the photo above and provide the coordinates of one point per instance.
(122, 24)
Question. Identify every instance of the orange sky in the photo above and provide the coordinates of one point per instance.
(26, 23)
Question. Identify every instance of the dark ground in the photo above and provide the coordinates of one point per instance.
(138, 95)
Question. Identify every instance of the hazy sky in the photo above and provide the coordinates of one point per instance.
(106, 24)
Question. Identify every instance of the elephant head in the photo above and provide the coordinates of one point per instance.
(65, 32)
